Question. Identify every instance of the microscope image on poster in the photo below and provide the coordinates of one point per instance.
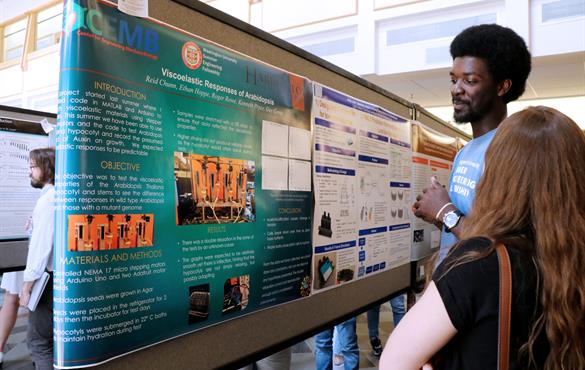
(214, 190)
(99, 232)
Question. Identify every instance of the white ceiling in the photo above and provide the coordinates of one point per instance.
(551, 77)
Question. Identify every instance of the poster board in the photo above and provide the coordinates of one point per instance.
(20, 132)
(433, 122)
(362, 185)
(432, 155)
(285, 324)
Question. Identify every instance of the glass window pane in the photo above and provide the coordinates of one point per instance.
(15, 27)
(51, 25)
(14, 53)
(563, 9)
(45, 42)
(50, 12)
(14, 40)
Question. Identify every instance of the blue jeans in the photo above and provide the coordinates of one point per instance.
(347, 337)
(398, 311)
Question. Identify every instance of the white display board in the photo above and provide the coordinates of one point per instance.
(432, 155)
(362, 181)
(17, 197)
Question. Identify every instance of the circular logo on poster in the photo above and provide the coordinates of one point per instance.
(192, 55)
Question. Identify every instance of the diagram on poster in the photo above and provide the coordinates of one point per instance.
(360, 151)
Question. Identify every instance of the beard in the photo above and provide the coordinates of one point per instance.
(37, 184)
(470, 113)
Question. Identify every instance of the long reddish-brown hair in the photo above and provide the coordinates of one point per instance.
(533, 187)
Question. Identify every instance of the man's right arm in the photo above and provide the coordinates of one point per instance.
(433, 204)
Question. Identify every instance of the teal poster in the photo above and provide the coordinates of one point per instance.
(183, 185)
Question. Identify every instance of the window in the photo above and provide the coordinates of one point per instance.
(14, 36)
(341, 46)
(436, 30)
(562, 9)
(49, 23)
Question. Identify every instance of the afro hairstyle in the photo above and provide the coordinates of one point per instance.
(504, 51)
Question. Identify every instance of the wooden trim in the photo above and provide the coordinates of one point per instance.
(47, 5)
(35, 54)
(8, 64)
(13, 20)
(34, 10)
(1, 44)
(29, 39)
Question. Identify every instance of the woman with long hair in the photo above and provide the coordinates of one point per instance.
(531, 198)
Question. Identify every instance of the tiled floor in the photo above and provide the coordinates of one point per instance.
(17, 357)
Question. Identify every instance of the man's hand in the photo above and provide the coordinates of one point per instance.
(25, 295)
(430, 202)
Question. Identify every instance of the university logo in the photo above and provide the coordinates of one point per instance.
(192, 55)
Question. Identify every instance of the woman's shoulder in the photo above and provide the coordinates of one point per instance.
(468, 250)
(478, 244)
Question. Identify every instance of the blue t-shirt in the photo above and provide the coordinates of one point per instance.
(465, 175)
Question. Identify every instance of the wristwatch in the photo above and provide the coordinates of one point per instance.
(451, 219)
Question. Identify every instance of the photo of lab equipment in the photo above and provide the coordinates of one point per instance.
(214, 190)
(105, 232)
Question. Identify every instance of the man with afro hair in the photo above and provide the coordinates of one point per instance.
(491, 64)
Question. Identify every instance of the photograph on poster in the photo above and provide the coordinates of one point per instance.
(325, 267)
(213, 189)
(236, 291)
(104, 232)
(325, 227)
(199, 298)
(345, 274)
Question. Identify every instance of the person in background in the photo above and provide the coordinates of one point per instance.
(531, 198)
(347, 356)
(491, 64)
(40, 258)
(373, 315)
(12, 284)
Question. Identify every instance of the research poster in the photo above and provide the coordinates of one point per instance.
(432, 155)
(183, 185)
(17, 196)
(361, 177)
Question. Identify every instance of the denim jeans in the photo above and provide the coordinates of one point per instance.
(348, 347)
(398, 311)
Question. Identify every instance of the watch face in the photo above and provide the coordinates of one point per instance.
(450, 219)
